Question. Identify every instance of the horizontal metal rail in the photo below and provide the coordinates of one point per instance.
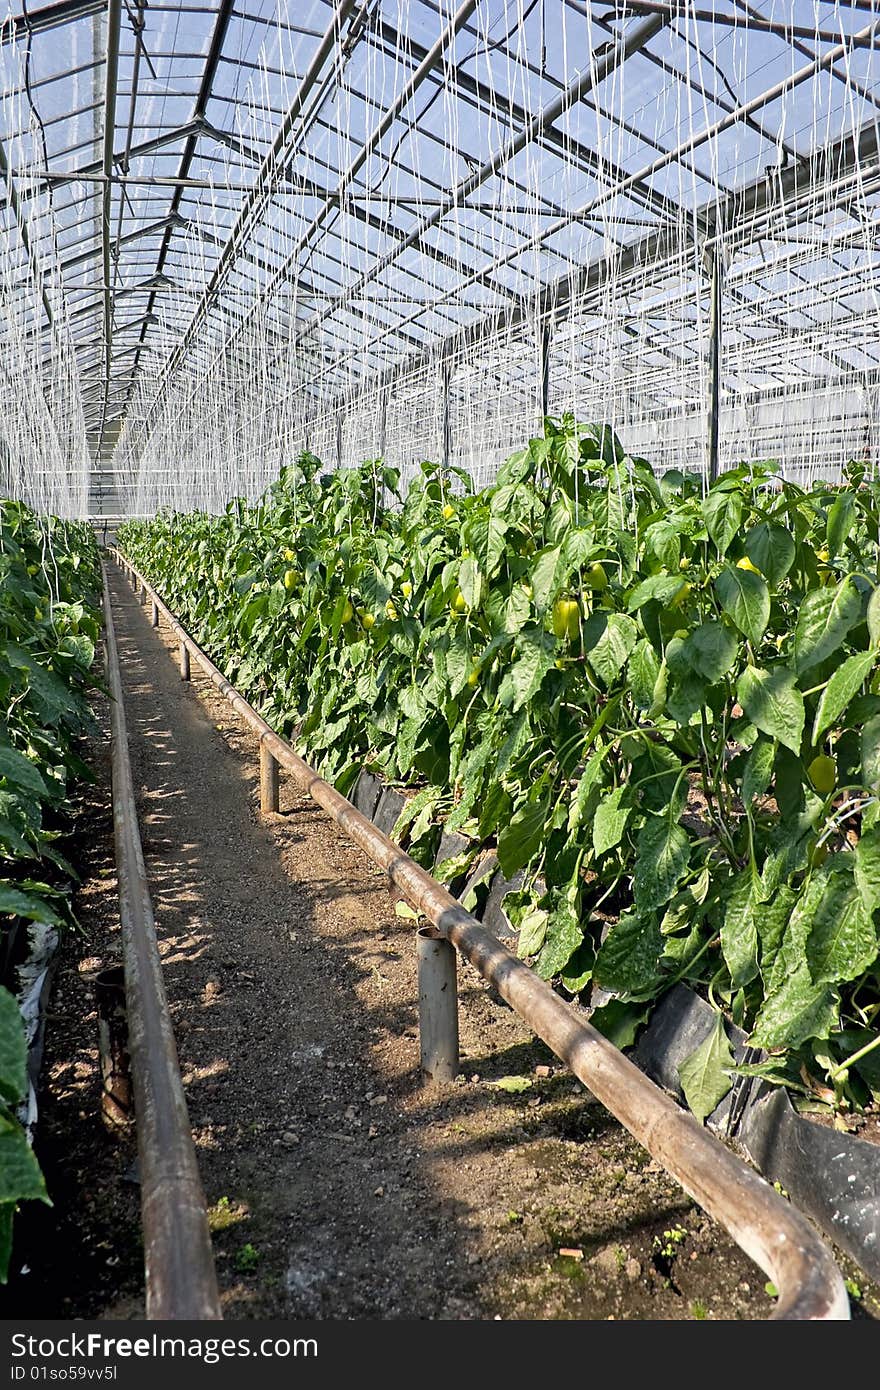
(181, 1283)
(771, 1232)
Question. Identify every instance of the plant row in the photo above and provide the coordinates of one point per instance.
(660, 704)
(49, 583)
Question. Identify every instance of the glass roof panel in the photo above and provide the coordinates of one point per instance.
(570, 152)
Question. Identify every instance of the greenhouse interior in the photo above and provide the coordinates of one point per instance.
(439, 666)
(406, 229)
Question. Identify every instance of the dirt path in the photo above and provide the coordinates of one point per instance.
(338, 1187)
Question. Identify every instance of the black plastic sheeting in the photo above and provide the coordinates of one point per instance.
(830, 1176)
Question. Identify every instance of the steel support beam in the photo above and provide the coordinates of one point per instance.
(96, 170)
(246, 218)
(740, 214)
(111, 79)
(20, 26)
(715, 270)
(258, 195)
(533, 130)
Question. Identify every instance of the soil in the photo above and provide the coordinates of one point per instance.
(338, 1186)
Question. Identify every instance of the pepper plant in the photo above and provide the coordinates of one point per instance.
(659, 705)
(49, 583)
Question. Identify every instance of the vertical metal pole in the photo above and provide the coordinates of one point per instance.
(154, 614)
(715, 278)
(546, 332)
(438, 1006)
(446, 443)
(340, 419)
(383, 424)
(184, 662)
(268, 781)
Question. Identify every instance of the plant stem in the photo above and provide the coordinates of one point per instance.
(856, 1057)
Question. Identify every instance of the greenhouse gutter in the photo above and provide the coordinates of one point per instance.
(181, 1283)
(768, 1229)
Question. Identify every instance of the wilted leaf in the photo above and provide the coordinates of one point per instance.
(704, 1075)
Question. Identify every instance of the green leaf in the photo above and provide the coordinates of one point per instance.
(515, 610)
(874, 617)
(532, 932)
(536, 656)
(705, 1074)
(405, 912)
(642, 671)
(870, 750)
(608, 640)
(20, 1175)
(628, 957)
(521, 839)
(662, 855)
(13, 1050)
(773, 703)
(459, 660)
(662, 587)
(544, 576)
(470, 582)
(28, 905)
(20, 771)
(589, 778)
(798, 1010)
(843, 940)
(663, 540)
(840, 522)
(495, 541)
(514, 1085)
(758, 770)
(722, 513)
(710, 651)
(739, 931)
(745, 598)
(866, 866)
(610, 819)
(846, 681)
(577, 974)
(771, 547)
(564, 936)
(773, 918)
(826, 616)
(619, 1021)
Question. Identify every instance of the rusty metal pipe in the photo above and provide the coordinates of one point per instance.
(181, 1283)
(771, 1232)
